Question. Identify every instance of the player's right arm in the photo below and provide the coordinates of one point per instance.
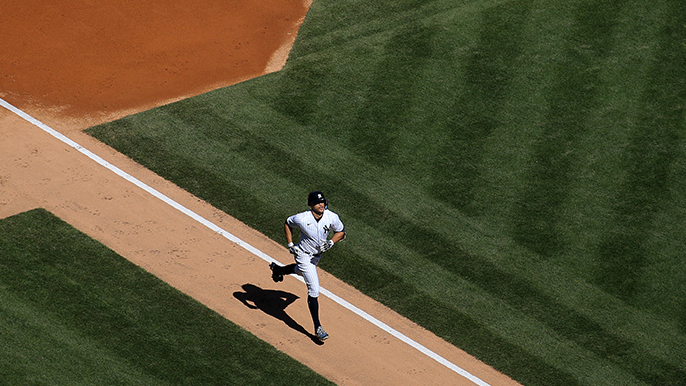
(289, 238)
(289, 233)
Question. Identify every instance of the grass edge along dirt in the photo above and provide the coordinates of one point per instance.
(75, 312)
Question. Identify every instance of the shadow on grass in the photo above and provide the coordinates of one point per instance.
(272, 303)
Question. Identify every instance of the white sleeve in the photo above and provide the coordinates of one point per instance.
(337, 224)
(291, 221)
(294, 221)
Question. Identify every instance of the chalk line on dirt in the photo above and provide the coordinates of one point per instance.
(342, 302)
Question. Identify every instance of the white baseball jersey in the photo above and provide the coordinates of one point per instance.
(314, 233)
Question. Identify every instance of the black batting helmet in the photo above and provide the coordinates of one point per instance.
(315, 198)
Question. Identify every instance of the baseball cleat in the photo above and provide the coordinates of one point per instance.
(321, 334)
(277, 277)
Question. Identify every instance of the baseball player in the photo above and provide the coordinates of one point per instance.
(315, 226)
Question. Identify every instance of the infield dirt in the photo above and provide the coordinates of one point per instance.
(75, 64)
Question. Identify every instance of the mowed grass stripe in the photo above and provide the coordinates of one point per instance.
(591, 142)
(38, 348)
(320, 124)
(655, 145)
(570, 101)
(74, 312)
(336, 24)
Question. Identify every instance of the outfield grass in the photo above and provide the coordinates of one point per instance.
(72, 312)
(511, 173)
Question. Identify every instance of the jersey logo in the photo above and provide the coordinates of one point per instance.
(326, 228)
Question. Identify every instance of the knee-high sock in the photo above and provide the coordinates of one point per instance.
(313, 305)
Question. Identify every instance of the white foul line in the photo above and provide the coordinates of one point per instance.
(238, 241)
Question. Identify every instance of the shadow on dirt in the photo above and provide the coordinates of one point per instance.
(272, 303)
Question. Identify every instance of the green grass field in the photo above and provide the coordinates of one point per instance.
(511, 173)
(72, 312)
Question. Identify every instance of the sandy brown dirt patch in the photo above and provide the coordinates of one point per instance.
(98, 59)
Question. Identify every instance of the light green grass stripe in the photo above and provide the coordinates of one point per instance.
(592, 193)
(314, 39)
(35, 343)
(508, 150)
(595, 189)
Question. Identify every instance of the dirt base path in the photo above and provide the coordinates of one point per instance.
(74, 64)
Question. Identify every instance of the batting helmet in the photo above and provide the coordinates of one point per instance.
(315, 198)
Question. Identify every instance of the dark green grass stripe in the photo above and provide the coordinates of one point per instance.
(474, 115)
(116, 306)
(301, 87)
(655, 146)
(571, 101)
(388, 104)
(328, 26)
(541, 208)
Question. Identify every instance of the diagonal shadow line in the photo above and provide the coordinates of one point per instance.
(272, 303)
(488, 73)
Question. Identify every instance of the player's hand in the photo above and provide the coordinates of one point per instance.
(292, 249)
(326, 246)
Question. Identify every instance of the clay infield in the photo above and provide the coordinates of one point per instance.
(74, 64)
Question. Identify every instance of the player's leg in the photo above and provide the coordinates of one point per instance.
(308, 269)
(313, 305)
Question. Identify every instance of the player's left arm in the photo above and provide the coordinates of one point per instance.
(338, 230)
(338, 236)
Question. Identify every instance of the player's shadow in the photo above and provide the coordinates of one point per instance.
(272, 303)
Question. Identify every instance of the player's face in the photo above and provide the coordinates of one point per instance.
(318, 208)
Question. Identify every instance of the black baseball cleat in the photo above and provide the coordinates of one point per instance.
(276, 276)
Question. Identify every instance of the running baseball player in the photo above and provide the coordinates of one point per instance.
(315, 226)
